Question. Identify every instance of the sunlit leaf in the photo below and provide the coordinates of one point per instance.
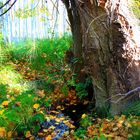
(1, 112)
(9, 134)
(2, 132)
(58, 120)
(83, 116)
(36, 106)
(28, 134)
(49, 137)
(52, 127)
(41, 93)
(5, 103)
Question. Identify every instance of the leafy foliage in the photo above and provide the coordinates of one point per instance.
(32, 8)
(135, 5)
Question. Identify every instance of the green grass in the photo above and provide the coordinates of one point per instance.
(40, 51)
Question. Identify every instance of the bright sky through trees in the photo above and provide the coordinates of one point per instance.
(34, 19)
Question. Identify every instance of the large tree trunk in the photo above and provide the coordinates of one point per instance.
(103, 38)
(75, 24)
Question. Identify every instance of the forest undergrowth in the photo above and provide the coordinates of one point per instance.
(41, 99)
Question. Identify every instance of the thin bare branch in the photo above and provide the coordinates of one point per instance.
(5, 4)
(123, 95)
(31, 9)
(8, 8)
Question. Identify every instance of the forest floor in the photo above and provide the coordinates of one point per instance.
(40, 98)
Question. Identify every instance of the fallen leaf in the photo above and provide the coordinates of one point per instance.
(40, 134)
(52, 127)
(36, 106)
(9, 134)
(48, 137)
(115, 128)
(45, 130)
(2, 132)
(41, 93)
(58, 107)
(5, 103)
(83, 116)
(28, 134)
(32, 138)
(58, 120)
(18, 103)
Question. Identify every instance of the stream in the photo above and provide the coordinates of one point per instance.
(63, 122)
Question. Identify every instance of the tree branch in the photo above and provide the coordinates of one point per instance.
(123, 95)
(69, 11)
(5, 4)
(8, 8)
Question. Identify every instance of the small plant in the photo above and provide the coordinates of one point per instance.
(80, 134)
(85, 121)
(81, 90)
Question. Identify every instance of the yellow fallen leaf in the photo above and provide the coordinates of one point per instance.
(48, 137)
(41, 93)
(72, 126)
(9, 134)
(40, 134)
(58, 107)
(41, 112)
(32, 138)
(55, 112)
(65, 121)
(58, 120)
(69, 125)
(52, 127)
(28, 134)
(62, 108)
(61, 118)
(83, 116)
(5, 103)
(45, 130)
(2, 132)
(36, 106)
(52, 117)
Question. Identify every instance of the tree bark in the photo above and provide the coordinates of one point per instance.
(75, 24)
(103, 38)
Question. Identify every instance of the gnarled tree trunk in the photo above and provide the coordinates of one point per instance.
(103, 39)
